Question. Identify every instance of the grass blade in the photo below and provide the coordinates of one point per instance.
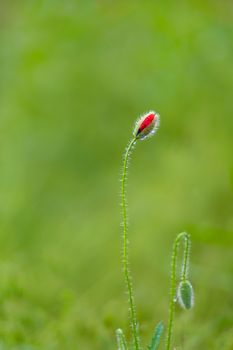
(156, 337)
(121, 342)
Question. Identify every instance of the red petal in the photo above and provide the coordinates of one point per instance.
(147, 121)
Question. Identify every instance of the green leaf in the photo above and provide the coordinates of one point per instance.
(156, 337)
(121, 342)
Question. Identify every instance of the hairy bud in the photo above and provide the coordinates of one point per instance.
(147, 125)
(185, 295)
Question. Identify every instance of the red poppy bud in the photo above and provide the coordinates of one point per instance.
(147, 125)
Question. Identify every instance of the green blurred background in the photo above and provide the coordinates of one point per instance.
(74, 76)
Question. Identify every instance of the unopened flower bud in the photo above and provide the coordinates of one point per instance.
(185, 295)
(147, 125)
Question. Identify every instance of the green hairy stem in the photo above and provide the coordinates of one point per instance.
(128, 279)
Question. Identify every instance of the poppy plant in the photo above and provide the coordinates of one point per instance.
(146, 126)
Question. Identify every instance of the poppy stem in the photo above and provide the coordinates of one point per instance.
(184, 275)
(128, 278)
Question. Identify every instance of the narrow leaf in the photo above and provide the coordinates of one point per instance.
(156, 337)
(121, 342)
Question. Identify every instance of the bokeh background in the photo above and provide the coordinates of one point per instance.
(74, 76)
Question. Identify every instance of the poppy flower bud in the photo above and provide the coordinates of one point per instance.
(147, 125)
(185, 295)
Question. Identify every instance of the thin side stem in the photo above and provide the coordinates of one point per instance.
(128, 279)
(184, 276)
